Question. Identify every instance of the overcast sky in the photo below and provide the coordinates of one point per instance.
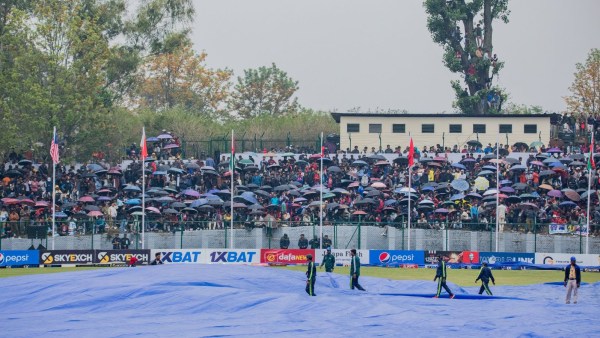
(379, 53)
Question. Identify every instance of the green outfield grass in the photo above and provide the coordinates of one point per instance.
(463, 277)
(37, 271)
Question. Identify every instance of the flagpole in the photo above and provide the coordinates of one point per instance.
(497, 188)
(321, 199)
(589, 197)
(143, 184)
(54, 194)
(409, 210)
(411, 162)
(232, 164)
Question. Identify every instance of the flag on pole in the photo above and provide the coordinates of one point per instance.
(143, 147)
(411, 153)
(54, 148)
(232, 160)
(591, 163)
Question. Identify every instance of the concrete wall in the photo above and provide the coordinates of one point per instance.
(347, 237)
(413, 125)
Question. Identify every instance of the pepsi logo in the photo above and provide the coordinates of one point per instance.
(1, 258)
(385, 257)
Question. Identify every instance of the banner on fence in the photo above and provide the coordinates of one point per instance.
(342, 256)
(19, 257)
(178, 256)
(396, 257)
(557, 229)
(453, 257)
(506, 257)
(285, 256)
(226, 256)
(67, 257)
(565, 259)
(121, 256)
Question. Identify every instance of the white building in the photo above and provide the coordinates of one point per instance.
(374, 129)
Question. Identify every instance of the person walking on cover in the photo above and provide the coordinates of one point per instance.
(355, 271)
(328, 261)
(572, 280)
(485, 274)
(441, 274)
(311, 276)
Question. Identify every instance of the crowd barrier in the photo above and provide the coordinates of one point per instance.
(383, 258)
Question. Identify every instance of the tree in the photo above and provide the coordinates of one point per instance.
(69, 63)
(471, 55)
(585, 89)
(180, 78)
(266, 90)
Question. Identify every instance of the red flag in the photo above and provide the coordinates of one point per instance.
(322, 151)
(411, 153)
(144, 148)
(591, 162)
(54, 148)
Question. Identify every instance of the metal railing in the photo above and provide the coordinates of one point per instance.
(85, 234)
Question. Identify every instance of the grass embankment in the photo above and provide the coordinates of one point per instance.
(464, 277)
(12, 272)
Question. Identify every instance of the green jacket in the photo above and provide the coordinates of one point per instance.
(355, 266)
(328, 261)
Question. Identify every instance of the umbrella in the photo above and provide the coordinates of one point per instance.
(518, 167)
(490, 192)
(95, 213)
(513, 199)
(538, 163)
(474, 143)
(507, 190)
(519, 186)
(164, 136)
(379, 185)
(481, 183)
(132, 188)
(546, 186)
(577, 164)
(554, 151)
(94, 167)
(485, 173)
(382, 163)
(60, 214)
(460, 185)
(25, 162)
(528, 205)
(359, 163)
(192, 165)
(572, 195)
(170, 211)
(457, 197)
(365, 201)
(441, 211)
(334, 169)
(567, 204)
(359, 212)
(86, 199)
(473, 194)
(191, 192)
(547, 173)
(377, 157)
(177, 205)
(555, 193)
(536, 144)
(171, 146)
(176, 171)
(459, 166)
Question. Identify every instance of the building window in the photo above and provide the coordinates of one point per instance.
(399, 128)
(427, 128)
(375, 128)
(353, 128)
(530, 129)
(505, 129)
(456, 128)
(479, 128)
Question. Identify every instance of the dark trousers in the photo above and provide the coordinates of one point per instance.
(310, 286)
(442, 284)
(485, 287)
(354, 283)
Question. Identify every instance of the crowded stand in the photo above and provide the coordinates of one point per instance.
(541, 190)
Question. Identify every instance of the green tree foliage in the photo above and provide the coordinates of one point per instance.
(585, 89)
(465, 30)
(264, 91)
(70, 63)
